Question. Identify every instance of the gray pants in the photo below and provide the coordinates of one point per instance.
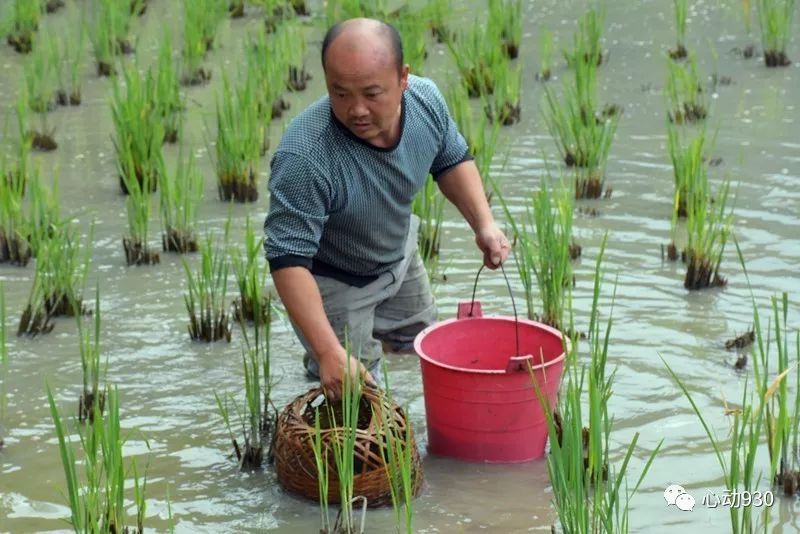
(392, 309)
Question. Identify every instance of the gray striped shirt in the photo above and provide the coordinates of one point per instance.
(340, 206)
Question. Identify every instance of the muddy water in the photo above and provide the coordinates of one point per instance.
(167, 382)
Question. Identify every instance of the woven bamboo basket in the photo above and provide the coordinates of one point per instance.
(293, 453)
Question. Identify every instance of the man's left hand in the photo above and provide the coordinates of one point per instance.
(494, 245)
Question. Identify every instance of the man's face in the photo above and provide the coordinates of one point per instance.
(365, 92)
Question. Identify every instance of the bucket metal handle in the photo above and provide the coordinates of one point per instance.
(516, 360)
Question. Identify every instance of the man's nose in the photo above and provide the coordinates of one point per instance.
(358, 108)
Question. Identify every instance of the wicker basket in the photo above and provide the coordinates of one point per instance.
(294, 456)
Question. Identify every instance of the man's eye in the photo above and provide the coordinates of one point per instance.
(372, 95)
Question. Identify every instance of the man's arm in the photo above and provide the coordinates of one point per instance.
(301, 298)
(462, 186)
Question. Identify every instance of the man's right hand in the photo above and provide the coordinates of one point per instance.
(332, 369)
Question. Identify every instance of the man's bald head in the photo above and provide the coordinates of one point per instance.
(368, 35)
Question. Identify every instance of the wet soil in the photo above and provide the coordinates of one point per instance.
(201, 77)
(34, 323)
(238, 189)
(86, 406)
(700, 274)
(776, 58)
(208, 330)
(138, 254)
(678, 53)
(176, 241)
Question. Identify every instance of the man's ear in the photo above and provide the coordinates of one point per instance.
(404, 77)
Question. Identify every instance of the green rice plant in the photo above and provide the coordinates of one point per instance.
(3, 363)
(289, 44)
(16, 171)
(41, 137)
(461, 110)
(437, 13)
(24, 24)
(79, 498)
(343, 449)
(586, 488)
(583, 133)
(180, 195)
(321, 454)
(686, 96)
(338, 10)
(268, 76)
(139, 130)
(71, 46)
(92, 399)
(236, 9)
(205, 301)
(240, 137)
(43, 219)
(775, 20)
(299, 7)
(3, 331)
(486, 137)
(109, 33)
(586, 48)
(251, 279)
(167, 92)
(739, 467)
(194, 44)
(254, 416)
(681, 11)
(98, 504)
(506, 15)
(137, 7)
(545, 55)
(41, 75)
(411, 26)
(688, 165)
(205, 16)
(428, 205)
(74, 52)
(64, 262)
(103, 46)
(544, 240)
(276, 12)
(477, 52)
(481, 137)
(708, 225)
(504, 103)
(782, 414)
(137, 204)
(15, 247)
(51, 6)
(34, 319)
(397, 450)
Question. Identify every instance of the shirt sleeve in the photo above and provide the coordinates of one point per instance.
(453, 148)
(300, 201)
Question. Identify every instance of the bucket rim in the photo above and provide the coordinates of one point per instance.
(558, 359)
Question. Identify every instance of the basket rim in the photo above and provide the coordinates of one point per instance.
(296, 408)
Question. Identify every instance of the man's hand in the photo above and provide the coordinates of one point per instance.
(493, 244)
(332, 369)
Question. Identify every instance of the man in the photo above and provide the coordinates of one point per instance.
(341, 242)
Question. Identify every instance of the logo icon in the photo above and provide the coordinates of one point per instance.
(676, 495)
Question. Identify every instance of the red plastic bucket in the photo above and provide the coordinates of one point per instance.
(480, 402)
